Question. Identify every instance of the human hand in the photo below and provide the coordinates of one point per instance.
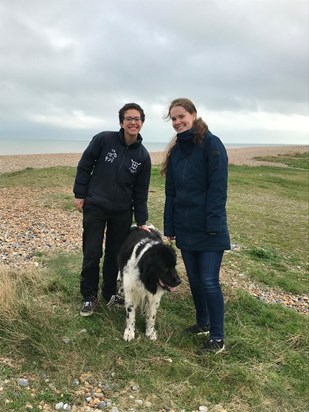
(144, 227)
(170, 238)
(79, 204)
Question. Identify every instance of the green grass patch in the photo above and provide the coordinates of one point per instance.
(47, 178)
(268, 220)
(297, 160)
(265, 366)
(265, 343)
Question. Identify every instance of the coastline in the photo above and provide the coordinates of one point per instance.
(237, 156)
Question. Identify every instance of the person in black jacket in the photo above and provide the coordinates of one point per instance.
(111, 185)
(196, 169)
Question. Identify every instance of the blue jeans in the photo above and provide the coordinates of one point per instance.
(203, 269)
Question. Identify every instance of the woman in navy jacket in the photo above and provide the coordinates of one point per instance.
(196, 169)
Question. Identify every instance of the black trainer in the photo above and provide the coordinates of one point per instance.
(212, 346)
(197, 330)
(115, 300)
(88, 307)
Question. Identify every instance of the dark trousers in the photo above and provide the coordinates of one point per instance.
(203, 269)
(95, 221)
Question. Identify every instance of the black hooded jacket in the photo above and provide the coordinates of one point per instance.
(114, 176)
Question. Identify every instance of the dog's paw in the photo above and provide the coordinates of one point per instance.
(128, 335)
(151, 334)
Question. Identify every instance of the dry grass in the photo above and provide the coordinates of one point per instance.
(13, 290)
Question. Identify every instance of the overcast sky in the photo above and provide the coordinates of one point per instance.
(67, 66)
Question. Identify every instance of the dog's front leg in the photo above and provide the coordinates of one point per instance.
(120, 283)
(129, 332)
(151, 313)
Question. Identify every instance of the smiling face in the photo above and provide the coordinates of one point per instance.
(181, 119)
(132, 124)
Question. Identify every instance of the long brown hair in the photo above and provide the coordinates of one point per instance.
(200, 128)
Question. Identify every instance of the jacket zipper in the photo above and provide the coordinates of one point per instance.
(183, 180)
(117, 175)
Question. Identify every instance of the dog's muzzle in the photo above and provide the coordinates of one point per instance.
(169, 288)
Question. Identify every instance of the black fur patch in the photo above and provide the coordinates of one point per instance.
(156, 265)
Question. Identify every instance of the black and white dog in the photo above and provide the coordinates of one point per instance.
(146, 271)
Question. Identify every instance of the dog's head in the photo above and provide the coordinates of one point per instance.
(158, 268)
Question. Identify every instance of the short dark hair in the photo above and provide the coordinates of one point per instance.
(129, 106)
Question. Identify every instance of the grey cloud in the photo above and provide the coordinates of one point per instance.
(91, 56)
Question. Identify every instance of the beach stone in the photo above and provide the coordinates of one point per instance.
(101, 405)
(52, 387)
(23, 382)
(99, 395)
(147, 404)
(134, 388)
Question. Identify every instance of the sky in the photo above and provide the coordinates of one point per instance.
(68, 66)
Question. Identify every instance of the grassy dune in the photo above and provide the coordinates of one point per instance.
(265, 366)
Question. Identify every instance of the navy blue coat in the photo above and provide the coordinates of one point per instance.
(196, 194)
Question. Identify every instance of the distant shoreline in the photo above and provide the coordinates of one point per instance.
(14, 147)
(237, 156)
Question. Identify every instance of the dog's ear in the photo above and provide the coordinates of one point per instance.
(148, 277)
(167, 252)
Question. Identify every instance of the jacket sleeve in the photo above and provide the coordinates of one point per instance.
(170, 194)
(140, 193)
(86, 165)
(217, 184)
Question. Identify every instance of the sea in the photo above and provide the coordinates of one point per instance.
(44, 146)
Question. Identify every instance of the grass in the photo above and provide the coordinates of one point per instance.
(268, 216)
(265, 366)
(298, 160)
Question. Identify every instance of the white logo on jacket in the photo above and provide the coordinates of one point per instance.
(134, 166)
(111, 156)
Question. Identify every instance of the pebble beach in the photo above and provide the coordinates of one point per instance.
(28, 226)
